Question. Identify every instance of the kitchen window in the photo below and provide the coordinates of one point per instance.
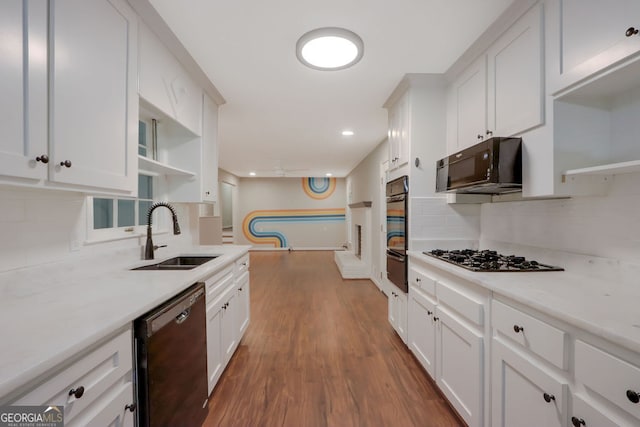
(117, 218)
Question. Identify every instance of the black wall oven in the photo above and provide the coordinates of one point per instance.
(397, 240)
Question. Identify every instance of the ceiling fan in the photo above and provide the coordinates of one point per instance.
(280, 171)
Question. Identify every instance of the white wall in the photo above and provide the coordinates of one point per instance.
(606, 226)
(42, 226)
(363, 184)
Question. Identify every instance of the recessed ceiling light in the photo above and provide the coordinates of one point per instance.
(347, 133)
(252, 174)
(328, 174)
(329, 48)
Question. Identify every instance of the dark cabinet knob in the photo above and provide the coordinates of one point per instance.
(66, 163)
(44, 159)
(207, 192)
(429, 312)
(633, 396)
(418, 279)
(489, 133)
(77, 392)
(548, 397)
(517, 328)
(131, 407)
(480, 136)
(577, 422)
(631, 31)
(435, 319)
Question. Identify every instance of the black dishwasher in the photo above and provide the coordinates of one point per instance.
(171, 362)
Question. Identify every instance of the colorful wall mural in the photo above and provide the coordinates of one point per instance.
(282, 213)
(251, 223)
(319, 188)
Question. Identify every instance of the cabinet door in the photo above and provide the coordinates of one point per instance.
(243, 314)
(470, 99)
(93, 104)
(215, 351)
(402, 315)
(209, 169)
(229, 332)
(112, 413)
(392, 309)
(592, 36)
(399, 132)
(460, 366)
(514, 84)
(422, 331)
(23, 67)
(523, 394)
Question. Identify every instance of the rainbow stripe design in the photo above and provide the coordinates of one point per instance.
(319, 188)
(395, 227)
(276, 238)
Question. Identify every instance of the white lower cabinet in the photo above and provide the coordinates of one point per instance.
(523, 393)
(447, 336)
(228, 308)
(243, 314)
(398, 312)
(95, 389)
(422, 331)
(459, 370)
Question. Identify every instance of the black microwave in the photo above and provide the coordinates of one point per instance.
(493, 166)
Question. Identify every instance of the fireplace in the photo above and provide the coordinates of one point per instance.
(355, 261)
(357, 241)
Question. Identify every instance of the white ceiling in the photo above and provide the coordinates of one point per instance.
(280, 114)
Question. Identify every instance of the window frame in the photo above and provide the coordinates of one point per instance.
(159, 219)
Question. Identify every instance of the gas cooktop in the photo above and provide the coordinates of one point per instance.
(489, 261)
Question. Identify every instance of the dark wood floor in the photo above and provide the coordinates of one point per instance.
(320, 352)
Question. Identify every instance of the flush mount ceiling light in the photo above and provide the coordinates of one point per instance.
(329, 49)
(347, 133)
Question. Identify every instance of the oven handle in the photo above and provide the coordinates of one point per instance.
(397, 198)
(395, 256)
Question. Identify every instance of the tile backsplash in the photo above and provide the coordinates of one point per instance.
(432, 220)
(42, 226)
(604, 226)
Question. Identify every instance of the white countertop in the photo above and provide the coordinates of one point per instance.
(51, 312)
(608, 307)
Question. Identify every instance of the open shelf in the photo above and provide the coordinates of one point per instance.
(609, 169)
(155, 167)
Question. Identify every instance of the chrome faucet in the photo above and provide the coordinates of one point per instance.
(148, 247)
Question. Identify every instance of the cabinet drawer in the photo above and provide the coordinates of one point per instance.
(218, 282)
(242, 265)
(96, 372)
(541, 338)
(607, 375)
(463, 304)
(422, 281)
(586, 412)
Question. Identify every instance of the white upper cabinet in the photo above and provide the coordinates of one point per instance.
(592, 36)
(209, 150)
(69, 100)
(468, 107)
(93, 107)
(399, 132)
(501, 92)
(514, 77)
(165, 84)
(23, 104)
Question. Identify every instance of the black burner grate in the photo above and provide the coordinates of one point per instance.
(489, 261)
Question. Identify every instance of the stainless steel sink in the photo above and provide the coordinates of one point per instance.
(179, 263)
